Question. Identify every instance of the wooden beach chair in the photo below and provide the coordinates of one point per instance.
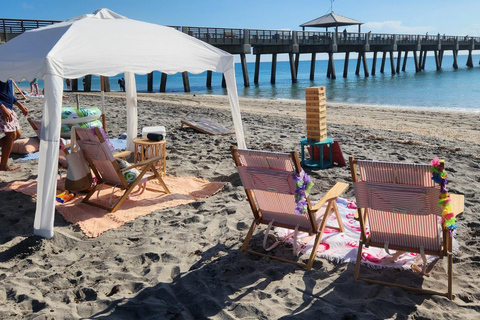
(399, 203)
(206, 126)
(108, 172)
(268, 179)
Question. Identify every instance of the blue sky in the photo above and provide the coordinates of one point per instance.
(452, 17)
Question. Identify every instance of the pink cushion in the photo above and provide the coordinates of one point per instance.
(26, 145)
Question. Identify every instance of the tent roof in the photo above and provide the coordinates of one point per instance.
(331, 20)
(106, 43)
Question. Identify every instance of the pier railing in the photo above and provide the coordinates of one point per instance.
(266, 37)
(216, 36)
(10, 28)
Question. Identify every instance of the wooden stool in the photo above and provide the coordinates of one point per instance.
(314, 163)
(146, 149)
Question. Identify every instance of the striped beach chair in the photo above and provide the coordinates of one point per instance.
(109, 174)
(268, 179)
(399, 202)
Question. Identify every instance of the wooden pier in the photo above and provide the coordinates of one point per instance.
(295, 43)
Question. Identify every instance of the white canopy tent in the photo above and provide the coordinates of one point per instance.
(103, 43)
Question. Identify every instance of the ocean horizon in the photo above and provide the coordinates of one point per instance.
(447, 89)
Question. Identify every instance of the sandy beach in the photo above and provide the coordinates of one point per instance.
(184, 262)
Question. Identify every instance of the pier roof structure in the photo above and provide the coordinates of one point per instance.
(331, 20)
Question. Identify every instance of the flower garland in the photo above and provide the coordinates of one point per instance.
(440, 176)
(303, 185)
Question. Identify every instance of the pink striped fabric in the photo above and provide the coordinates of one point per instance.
(269, 176)
(265, 159)
(267, 179)
(402, 204)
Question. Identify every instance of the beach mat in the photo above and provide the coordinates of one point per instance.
(343, 247)
(94, 221)
(206, 126)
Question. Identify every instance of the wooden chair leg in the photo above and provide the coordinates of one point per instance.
(249, 236)
(318, 237)
(359, 260)
(450, 294)
(337, 214)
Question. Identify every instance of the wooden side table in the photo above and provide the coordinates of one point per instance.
(146, 149)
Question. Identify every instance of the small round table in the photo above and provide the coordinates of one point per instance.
(317, 163)
(146, 149)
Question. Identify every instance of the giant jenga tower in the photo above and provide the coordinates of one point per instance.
(316, 113)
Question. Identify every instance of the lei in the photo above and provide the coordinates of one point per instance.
(440, 176)
(303, 185)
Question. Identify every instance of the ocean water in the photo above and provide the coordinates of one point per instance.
(446, 89)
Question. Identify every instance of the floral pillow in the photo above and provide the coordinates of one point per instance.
(130, 175)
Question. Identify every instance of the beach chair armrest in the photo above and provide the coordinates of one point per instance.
(142, 163)
(337, 190)
(122, 154)
(457, 203)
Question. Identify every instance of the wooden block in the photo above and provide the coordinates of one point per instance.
(316, 103)
(321, 122)
(315, 116)
(315, 98)
(317, 130)
(315, 90)
(317, 124)
(316, 137)
(319, 110)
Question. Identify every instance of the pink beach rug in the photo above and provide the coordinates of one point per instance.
(343, 247)
(94, 221)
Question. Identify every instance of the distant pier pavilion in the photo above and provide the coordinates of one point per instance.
(294, 43)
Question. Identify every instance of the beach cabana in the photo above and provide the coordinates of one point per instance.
(105, 44)
(331, 20)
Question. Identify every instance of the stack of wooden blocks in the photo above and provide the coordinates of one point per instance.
(316, 113)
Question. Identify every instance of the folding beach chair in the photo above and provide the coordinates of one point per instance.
(268, 179)
(108, 171)
(399, 202)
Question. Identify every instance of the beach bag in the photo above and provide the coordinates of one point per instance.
(79, 176)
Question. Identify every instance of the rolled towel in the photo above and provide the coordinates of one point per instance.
(155, 136)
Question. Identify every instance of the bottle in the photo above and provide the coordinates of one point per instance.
(65, 196)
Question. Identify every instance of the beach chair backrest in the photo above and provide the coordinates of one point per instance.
(36, 126)
(99, 155)
(269, 178)
(402, 203)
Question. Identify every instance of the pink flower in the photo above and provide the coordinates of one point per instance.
(435, 162)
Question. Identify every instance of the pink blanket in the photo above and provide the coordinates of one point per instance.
(343, 247)
(94, 221)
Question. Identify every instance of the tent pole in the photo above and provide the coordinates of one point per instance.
(132, 115)
(49, 149)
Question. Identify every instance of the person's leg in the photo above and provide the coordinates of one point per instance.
(7, 145)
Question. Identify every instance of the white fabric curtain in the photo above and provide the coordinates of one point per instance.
(132, 115)
(49, 148)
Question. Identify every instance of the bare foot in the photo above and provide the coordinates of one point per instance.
(8, 168)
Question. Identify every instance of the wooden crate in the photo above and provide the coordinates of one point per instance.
(316, 111)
